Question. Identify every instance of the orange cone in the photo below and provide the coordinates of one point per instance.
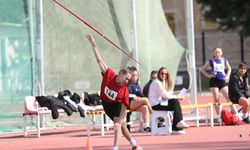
(88, 145)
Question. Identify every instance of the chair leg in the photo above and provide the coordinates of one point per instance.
(207, 109)
(25, 126)
(88, 125)
(154, 126)
(107, 122)
(102, 125)
(211, 116)
(219, 115)
(38, 126)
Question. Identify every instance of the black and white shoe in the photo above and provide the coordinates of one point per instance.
(246, 120)
(147, 129)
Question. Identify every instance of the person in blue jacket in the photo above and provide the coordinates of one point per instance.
(138, 102)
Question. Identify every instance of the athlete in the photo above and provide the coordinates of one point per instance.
(218, 78)
(114, 96)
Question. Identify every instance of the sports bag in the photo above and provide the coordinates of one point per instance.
(230, 119)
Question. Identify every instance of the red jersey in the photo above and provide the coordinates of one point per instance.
(111, 92)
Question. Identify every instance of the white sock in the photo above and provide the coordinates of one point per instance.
(146, 125)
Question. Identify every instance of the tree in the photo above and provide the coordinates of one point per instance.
(229, 14)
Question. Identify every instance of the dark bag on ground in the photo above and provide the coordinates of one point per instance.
(230, 119)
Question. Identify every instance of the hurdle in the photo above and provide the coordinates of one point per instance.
(197, 117)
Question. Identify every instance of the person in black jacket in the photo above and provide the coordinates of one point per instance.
(238, 89)
(153, 75)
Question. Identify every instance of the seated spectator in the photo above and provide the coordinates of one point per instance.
(137, 100)
(153, 75)
(238, 90)
(159, 92)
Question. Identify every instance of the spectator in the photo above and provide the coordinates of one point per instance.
(238, 90)
(153, 75)
(160, 91)
(137, 100)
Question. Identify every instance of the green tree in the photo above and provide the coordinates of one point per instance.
(229, 14)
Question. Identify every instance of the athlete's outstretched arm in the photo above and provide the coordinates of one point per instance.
(98, 57)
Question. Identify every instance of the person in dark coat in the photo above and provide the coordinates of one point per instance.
(238, 89)
(153, 75)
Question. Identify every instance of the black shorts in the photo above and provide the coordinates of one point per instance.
(234, 99)
(214, 82)
(112, 109)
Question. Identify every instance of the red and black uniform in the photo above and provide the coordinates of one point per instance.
(113, 95)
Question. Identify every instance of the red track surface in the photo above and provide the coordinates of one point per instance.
(74, 138)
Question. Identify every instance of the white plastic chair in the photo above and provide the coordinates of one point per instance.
(166, 128)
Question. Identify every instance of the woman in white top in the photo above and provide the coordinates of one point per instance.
(160, 90)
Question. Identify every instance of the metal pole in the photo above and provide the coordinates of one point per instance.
(134, 34)
(199, 81)
(41, 50)
(191, 47)
(31, 34)
(203, 47)
(242, 48)
(134, 46)
(191, 50)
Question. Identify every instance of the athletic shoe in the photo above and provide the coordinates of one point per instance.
(180, 132)
(182, 125)
(134, 145)
(246, 120)
(147, 129)
(133, 142)
(136, 148)
(115, 148)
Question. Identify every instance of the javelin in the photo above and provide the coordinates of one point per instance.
(88, 24)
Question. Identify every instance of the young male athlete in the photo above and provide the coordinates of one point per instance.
(114, 96)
